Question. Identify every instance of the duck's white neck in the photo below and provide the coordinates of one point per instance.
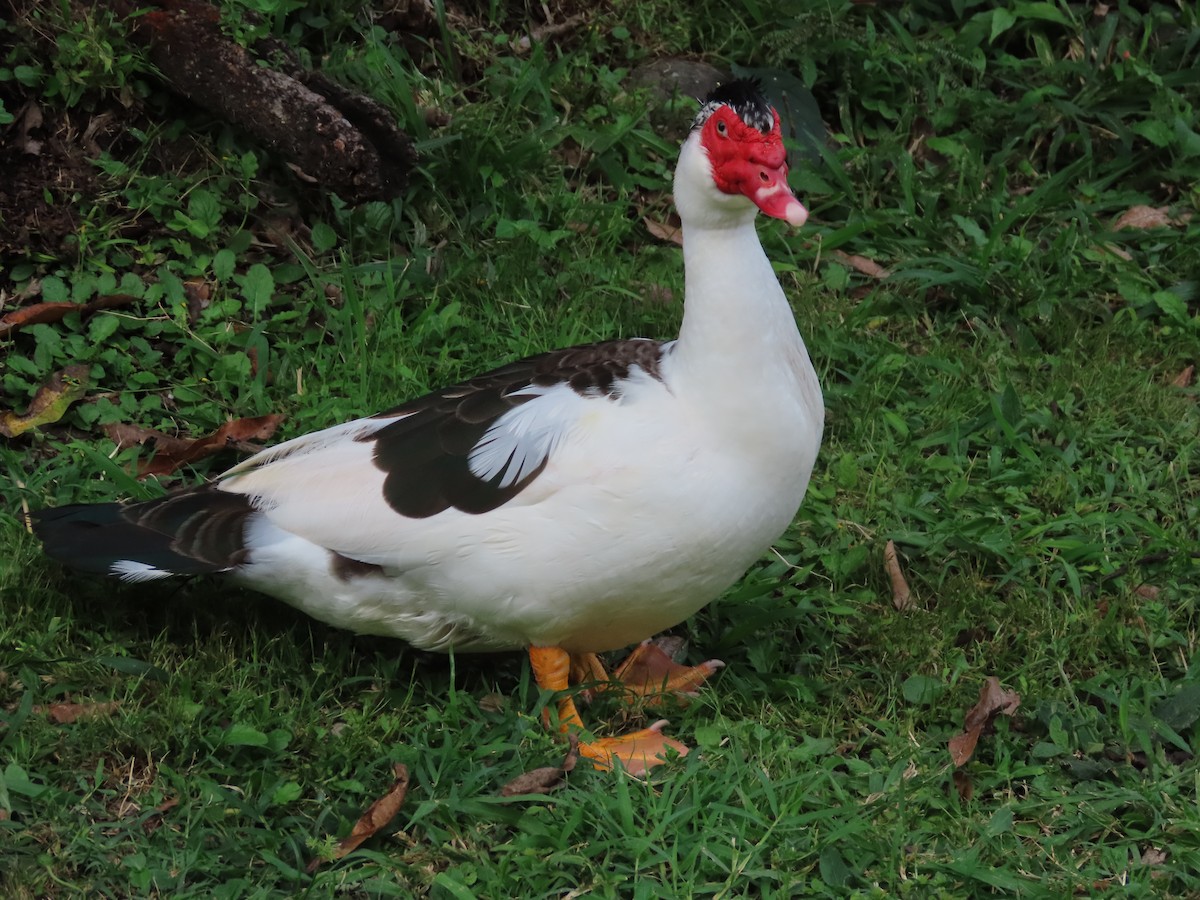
(738, 332)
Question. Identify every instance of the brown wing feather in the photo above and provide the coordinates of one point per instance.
(425, 454)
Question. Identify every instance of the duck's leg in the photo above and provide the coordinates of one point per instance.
(637, 752)
(646, 672)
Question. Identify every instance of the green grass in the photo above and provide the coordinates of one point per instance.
(1000, 407)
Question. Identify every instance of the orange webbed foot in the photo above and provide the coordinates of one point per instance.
(637, 752)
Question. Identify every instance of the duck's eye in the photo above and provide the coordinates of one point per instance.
(721, 129)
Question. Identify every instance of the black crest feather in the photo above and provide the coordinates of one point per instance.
(745, 97)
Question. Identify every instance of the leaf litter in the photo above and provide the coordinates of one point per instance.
(901, 595)
(50, 403)
(545, 779)
(993, 701)
(172, 453)
(69, 713)
(376, 816)
(49, 313)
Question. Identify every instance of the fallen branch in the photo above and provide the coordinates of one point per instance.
(342, 140)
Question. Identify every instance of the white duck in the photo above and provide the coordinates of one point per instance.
(570, 503)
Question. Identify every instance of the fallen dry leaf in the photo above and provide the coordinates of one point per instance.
(377, 815)
(993, 701)
(549, 32)
(545, 779)
(963, 784)
(1145, 217)
(1153, 856)
(1116, 251)
(48, 313)
(35, 314)
(901, 595)
(671, 230)
(1184, 379)
(659, 293)
(68, 713)
(153, 821)
(50, 403)
(198, 293)
(173, 452)
(29, 118)
(493, 702)
(862, 265)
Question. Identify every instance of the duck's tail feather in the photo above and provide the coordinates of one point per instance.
(191, 532)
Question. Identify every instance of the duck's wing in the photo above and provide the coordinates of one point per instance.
(471, 447)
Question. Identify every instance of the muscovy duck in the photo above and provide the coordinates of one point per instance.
(570, 503)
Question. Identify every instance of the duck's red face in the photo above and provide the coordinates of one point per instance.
(751, 162)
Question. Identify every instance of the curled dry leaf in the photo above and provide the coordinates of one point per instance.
(50, 403)
(68, 713)
(198, 293)
(1144, 217)
(35, 314)
(670, 230)
(993, 701)
(963, 784)
(1153, 856)
(154, 820)
(545, 779)
(549, 32)
(172, 452)
(377, 815)
(862, 265)
(49, 313)
(901, 595)
(29, 119)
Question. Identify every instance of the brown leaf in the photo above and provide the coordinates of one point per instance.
(545, 779)
(1116, 251)
(198, 293)
(50, 403)
(993, 701)
(1153, 856)
(963, 784)
(377, 815)
(1184, 379)
(108, 301)
(27, 120)
(1144, 217)
(48, 313)
(36, 314)
(69, 713)
(901, 595)
(153, 821)
(549, 32)
(173, 452)
(493, 702)
(671, 230)
(659, 293)
(862, 265)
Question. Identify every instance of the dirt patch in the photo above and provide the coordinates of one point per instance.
(47, 178)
